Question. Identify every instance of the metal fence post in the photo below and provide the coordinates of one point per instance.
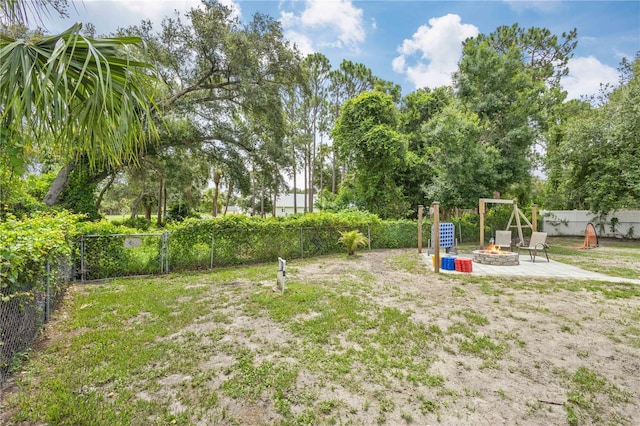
(213, 245)
(369, 234)
(82, 266)
(165, 235)
(301, 244)
(47, 306)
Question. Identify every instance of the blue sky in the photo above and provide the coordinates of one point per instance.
(412, 43)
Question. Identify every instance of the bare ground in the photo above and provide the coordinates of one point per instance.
(565, 355)
(568, 356)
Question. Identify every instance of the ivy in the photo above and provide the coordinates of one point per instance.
(26, 245)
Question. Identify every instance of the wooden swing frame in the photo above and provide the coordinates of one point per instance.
(516, 214)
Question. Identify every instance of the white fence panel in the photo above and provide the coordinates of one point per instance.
(619, 224)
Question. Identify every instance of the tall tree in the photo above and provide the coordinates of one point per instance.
(417, 109)
(349, 80)
(316, 68)
(510, 78)
(223, 83)
(461, 166)
(599, 163)
(366, 138)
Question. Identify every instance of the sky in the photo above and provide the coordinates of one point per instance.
(412, 43)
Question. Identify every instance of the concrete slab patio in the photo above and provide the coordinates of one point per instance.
(540, 268)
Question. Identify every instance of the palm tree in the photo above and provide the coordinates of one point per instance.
(351, 240)
(88, 98)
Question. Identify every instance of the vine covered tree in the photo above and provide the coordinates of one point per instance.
(367, 139)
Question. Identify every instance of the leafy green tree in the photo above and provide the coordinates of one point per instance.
(348, 80)
(416, 110)
(510, 79)
(367, 140)
(462, 167)
(316, 68)
(599, 165)
(224, 89)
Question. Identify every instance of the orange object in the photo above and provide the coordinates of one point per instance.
(590, 237)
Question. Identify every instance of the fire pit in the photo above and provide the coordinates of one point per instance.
(495, 256)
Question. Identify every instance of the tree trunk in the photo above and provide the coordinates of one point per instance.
(253, 194)
(160, 198)
(275, 197)
(136, 205)
(107, 186)
(295, 198)
(262, 199)
(216, 193)
(334, 172)
(321, 166)
(217, 176)
(58, 185)
(229, 192)
(164, 202)
(312, 165)
(306, 177)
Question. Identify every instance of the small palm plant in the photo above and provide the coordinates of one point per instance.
(351, 240)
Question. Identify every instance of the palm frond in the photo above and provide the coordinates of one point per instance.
(91, 97)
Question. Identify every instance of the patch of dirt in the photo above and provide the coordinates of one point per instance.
(550, 335)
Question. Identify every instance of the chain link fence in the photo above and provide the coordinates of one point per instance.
(26, 309)
(99, 257)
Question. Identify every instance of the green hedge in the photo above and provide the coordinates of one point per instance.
(242, 239)
(101, 249)
(27, 244)
(236, 239)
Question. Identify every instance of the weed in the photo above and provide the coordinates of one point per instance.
(427, 405)
(589, 395)
(407, 417)
(458, 292)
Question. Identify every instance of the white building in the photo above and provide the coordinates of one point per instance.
(284, 204)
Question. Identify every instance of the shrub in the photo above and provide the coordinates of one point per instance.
(26, 245)
(352, 240)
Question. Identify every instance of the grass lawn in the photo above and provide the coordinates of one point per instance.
(371, 339)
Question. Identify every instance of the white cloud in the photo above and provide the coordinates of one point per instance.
(338, 15)
(107, 16)
(151, 8)
(439, 46)
(288, 19)
(585, 76)
(304, 43)
(335, 23)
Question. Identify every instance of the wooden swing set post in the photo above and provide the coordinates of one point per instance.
(435, 206)
(515, 214)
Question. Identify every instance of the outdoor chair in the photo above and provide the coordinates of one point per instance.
(537, 242)
(503, 240)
